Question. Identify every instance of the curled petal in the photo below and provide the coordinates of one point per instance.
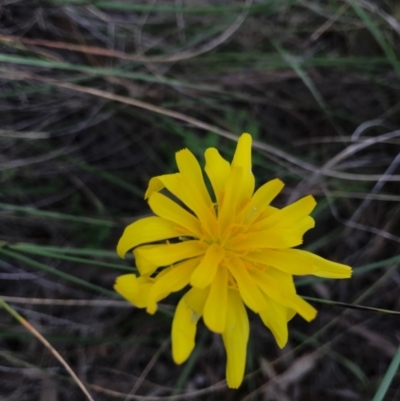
(134, 289)
(157, 184)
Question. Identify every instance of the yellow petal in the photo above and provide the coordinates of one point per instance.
(156, 184)
(242, 156)
(290, 314)
(183, 333)
(275, 318)
(282, 293)
(261, 200)
(325, 268)
(168, 181)
(304, 225)
(287, 260)
(286, 279)
(166, 254)
(196, 299)
(235, 338)
(214, 314)
(185, 190)
(145, 266)
(172, 279)
(217, 169)
(274, 239)
(290, 215)
(268, 211)
(149, 229)
(233, 193)
(205, 271)
(248, 289)
(134, 289)
(298, 262)
(242, 159)
(302, 307)
(169, 210)
(190, 168)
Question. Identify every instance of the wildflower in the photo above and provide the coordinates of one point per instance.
(233, 249)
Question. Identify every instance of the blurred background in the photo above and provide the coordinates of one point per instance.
(95, 99)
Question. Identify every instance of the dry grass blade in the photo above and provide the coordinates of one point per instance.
(32, 330)
(23, 135)
(326, 25)
(149, 366)
(324, 170)
(327, 168)
(300, 368)
(376, 340)
(161, 110)
(68, 302)
(96, 98)
(98, 51)
(393, 22)
(180, 397)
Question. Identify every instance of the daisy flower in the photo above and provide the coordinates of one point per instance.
(231, 250)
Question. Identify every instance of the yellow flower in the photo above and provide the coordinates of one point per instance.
(233, 249)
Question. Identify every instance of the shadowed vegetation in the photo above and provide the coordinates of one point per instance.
(97, 96)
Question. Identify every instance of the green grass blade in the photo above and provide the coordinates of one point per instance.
(112, 178)
(59, 255)
(98, 71)
(377, 34)
(58, 273)
(25, 247)
(387, 379)
(54, 215)
(351, 306)
(296, 66)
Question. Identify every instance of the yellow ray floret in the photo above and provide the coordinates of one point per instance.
(231, 249)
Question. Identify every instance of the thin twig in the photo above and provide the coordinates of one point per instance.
(31, 329)
(149, 366)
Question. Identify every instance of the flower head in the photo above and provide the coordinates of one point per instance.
(232, 248)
